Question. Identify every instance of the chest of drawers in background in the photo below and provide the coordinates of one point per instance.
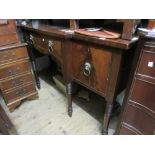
(138, 115)
(16, 78)
(8, 32)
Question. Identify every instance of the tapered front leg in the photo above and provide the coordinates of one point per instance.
(34, 67)
(107, 116)
(69, 97)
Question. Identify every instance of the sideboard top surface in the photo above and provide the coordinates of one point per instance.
(64, 33)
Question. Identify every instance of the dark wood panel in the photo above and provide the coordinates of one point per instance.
(127, 131)
(99, 60)
(138, 113)
(147, 100)
(142, 122)
(147, 64)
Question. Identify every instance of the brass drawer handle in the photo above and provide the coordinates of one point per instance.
(13, 72)
(87, 69)
(31, 39)
(10, 72)
(17, 82)
(21, 92)
(50, 46)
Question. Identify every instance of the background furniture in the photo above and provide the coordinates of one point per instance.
(126, 27)
(8, 32)
(16, 78)
(138, 114)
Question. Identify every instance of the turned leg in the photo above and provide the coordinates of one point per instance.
(69, 97)
(34, 68)
(107, 115)
(36, 74)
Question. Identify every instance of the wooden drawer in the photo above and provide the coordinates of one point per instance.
(46, 45)
(19, 93)
(138, 95)
(138, 120)
(14, 69)
(18, 81)
(13, 54)
(147, 63)
(91, 66)
(125, 130)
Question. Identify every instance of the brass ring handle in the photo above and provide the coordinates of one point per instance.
(31, 39)
(50, 46)
(87, 69)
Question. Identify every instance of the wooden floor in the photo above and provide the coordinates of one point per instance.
(48, 114)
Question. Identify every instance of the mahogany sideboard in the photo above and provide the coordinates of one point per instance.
(98, 64)
(138, 113)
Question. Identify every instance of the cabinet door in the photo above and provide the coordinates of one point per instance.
(91, 66)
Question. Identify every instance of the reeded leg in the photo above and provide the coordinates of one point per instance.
(36, 74)
(69, 97)
(34, 68)
(107, 115)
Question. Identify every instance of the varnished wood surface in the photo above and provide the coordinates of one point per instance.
(57, 32)
(48, 30)
(98, 58)
(8, 33)
(138, 113)
(13, 54)
(15, 74)
(117, 43)
(16, 45)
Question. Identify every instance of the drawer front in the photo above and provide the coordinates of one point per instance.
(139, 95)
(14, 69)
(46, 45)
(7, 39)
(139, 121)
(126, 131)
(13, 54)
(91, 66)
(19, 93)
(147, 63)
(13, 83)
